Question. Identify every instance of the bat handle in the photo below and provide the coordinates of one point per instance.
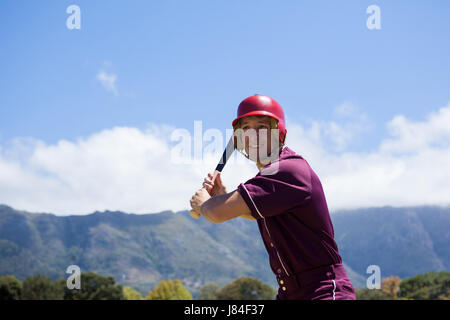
(194, 214)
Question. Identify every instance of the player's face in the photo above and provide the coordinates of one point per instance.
(257, 136)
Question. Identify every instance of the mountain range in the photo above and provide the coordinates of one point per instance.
(141, 250)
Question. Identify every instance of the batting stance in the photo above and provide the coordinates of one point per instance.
(287, 201)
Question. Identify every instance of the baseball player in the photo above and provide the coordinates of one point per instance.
(287, 201)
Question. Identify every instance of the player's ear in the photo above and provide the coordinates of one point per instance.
(273, 123)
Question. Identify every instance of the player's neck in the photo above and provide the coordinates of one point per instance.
(260, 165)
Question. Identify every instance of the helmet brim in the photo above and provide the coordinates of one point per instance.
(256, 113)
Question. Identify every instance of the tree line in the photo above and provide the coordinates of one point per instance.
(97, 287)
(428, 286)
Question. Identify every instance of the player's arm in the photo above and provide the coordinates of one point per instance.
(225, 207)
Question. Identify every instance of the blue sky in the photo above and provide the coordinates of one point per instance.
(179, 61)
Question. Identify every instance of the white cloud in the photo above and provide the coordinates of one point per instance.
(131, 170)
(411, 167)
(118, 169)
(408, 136)
(349, 128)
(108, 81)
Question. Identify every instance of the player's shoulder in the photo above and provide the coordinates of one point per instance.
(290, 160)
(287, 154)
(290, 166)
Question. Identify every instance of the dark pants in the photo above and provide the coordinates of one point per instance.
(323, 283)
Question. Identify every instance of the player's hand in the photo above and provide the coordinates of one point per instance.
(215, 188)
(196, 202)
(194, 214)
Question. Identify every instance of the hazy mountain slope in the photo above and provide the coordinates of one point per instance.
(141, 250)
(402, 241)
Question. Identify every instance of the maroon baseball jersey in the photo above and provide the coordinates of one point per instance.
(287, 199)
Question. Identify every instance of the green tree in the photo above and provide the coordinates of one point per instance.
(169, 290)
(10, 288)
(131, 294)
(41, 287)
(208, 291)
(95, 287)
(428, 286)
(371, 294)
(391, 286)
(246, 288)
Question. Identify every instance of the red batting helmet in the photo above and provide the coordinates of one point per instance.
(260, 105)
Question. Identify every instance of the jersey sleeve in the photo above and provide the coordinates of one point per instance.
(270, 195)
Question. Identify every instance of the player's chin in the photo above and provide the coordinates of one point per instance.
(252, 154)
(258, 160)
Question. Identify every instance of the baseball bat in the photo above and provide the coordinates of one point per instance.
(229, 149)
